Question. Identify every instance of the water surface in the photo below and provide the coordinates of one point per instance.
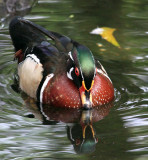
(121, 129)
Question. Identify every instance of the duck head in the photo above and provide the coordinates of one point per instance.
(81, 69)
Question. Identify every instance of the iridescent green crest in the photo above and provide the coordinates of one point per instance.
(86, 60)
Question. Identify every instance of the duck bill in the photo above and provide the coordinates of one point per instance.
(86, 96)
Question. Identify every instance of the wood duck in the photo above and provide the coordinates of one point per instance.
(57, 70)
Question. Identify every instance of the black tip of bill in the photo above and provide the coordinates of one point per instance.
(87, 105)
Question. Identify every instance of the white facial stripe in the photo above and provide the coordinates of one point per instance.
(81, 72)
(69, 73)
(102, 72)
(70, 56)
(103, 69)
(48, 78)
(34, 57)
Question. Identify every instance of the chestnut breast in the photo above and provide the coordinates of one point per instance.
(62, 92)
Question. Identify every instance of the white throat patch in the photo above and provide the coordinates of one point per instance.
(69, 73)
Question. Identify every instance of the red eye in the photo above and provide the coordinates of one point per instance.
(76, 71)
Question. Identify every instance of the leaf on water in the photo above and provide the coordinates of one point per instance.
(107, 34)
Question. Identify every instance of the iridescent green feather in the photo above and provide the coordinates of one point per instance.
(86, 60)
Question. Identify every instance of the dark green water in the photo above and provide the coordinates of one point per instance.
(122, 131)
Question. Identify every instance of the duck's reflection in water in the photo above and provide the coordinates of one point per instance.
(82, 134)
(80, 130)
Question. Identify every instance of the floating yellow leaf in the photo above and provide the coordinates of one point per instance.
(107, 34)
